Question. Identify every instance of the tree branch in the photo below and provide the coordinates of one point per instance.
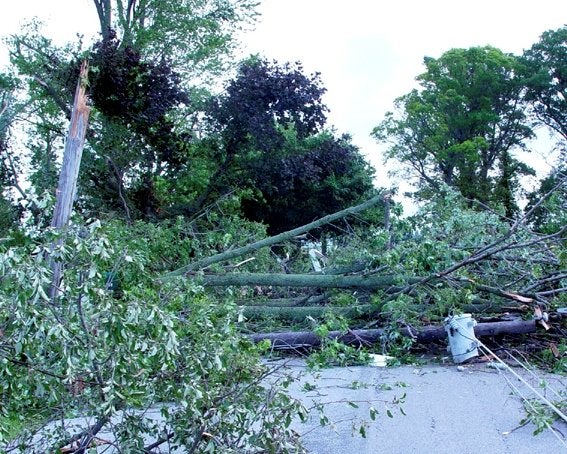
(203, 263)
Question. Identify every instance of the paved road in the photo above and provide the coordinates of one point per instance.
(446, 411)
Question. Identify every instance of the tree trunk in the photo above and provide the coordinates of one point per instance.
(203, 263)
(73, 152)
(104, 11)
(302, 312)
(67, 186)
(292, 309)
(306, 280)
(305, 339)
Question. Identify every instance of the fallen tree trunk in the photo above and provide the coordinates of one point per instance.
(305, 280)
(285, 236)
(299, 313)
(308, 339)
(391, 284)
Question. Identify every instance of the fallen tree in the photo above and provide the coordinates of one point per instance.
(304, 280)
(299, 313)
(390, 284)
(365, 337)
(285, 236)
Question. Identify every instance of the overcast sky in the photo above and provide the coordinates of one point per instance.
(368, 52)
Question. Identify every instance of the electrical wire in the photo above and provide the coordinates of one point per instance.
(515, 389)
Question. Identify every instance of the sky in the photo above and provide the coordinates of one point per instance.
(367, 51)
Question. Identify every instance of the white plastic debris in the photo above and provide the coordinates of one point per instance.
(380, 360)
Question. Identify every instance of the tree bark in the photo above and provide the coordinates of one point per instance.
(302, 312)
(307, 339)
(306, 280)
(67, 186)
(104, 11)
(203, 263)
(291, 310)
(74, 143)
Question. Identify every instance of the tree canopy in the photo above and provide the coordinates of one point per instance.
(546, 85)
(463, 125)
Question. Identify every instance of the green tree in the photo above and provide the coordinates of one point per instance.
(195, 36)
(150, 56)
(462, 126)
(270, 123)
(545, 69)
(311, 178)
(251, 117)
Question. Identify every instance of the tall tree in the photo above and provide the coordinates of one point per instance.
(270, 124)
(251, 116)
(545, 68)
(149, 56)
(194, 35)
(462, 126)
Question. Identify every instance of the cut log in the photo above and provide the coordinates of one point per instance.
(308, 339)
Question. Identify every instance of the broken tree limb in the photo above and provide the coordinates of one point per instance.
(304, 339)
(73, 152)
(305, 280)
(72, 155)
(390, 283)
(301, 312)
(228, 255)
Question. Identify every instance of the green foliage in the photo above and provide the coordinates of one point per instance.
(545, 69)
(336, 354)
(140, 126)
(98, 353)
(195, 36)
(462, 125)
(308, 179)
(540, 414)
(333, 353)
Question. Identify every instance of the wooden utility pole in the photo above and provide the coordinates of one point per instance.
(67, 186)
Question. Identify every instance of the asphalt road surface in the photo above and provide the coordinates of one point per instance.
(446, 409)
(433, 409)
